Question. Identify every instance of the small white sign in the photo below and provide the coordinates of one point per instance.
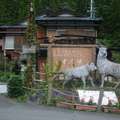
(87, 95)
(3, 89)
(109, 96)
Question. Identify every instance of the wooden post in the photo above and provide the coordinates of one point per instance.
(50, 54)
(50, 81)
(101, 95)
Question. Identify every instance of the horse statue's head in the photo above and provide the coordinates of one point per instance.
(102, 52)
(92, 67)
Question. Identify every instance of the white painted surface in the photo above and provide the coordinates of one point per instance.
(3, 88)
(86, 95)
(108, 95)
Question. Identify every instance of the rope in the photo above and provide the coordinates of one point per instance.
(62, 93)
(54, 90)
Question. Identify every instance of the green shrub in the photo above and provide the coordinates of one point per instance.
(118, 105)
(22, 99)
(5, 77)
(15, 87)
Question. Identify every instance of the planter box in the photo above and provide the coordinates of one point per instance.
(86, 107)
(77, 106)
(116, 110)
(65, 105)
(110, 109)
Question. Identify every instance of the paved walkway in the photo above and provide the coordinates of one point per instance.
(10, 110)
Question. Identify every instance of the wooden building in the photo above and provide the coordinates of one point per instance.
(11, 40)
(65, 38)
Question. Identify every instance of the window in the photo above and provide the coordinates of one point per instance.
(9, 42)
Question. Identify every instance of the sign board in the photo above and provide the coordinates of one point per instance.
(3, 89)
(86, 95)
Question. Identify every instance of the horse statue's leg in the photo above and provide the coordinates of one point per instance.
(103, 80)
(84, 82)
(67, 79)
(91, 80)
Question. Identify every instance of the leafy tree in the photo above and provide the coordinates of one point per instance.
(14, 11)
(110, 11)
(9, 11)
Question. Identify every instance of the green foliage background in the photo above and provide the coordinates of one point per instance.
(15, 11)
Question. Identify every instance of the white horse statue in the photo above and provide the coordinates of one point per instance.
(106, 67)
(82, 72)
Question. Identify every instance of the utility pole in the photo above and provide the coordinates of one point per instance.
(4, 61)
(92, 9)
(30, 38)
(31, 27)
